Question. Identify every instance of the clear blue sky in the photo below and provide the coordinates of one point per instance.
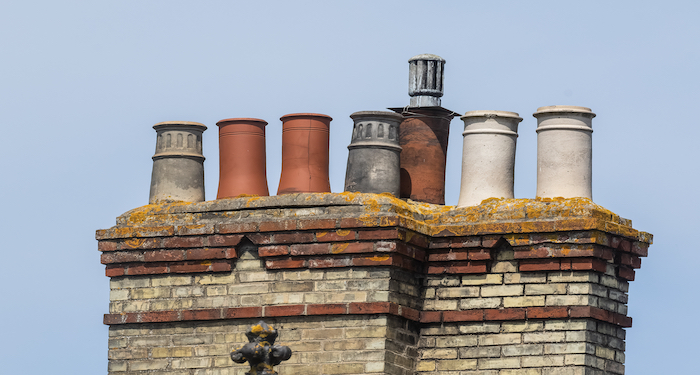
(82, 82)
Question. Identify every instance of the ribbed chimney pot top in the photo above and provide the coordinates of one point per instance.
(427, 56)
(425, 80)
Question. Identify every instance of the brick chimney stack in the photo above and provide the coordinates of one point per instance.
(364, 283)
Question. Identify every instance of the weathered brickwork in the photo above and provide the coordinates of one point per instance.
(252, 289)
(366, 284)
(322, 345)
(546, 347)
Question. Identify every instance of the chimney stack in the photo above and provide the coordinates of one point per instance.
(178, 164)
(564, 142)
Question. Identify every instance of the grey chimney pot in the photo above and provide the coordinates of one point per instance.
(178, 164)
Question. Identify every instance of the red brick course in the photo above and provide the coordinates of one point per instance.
(277, 225)
(284, 310)
(250, 227)
(207, 253)
(336, 235)
(243, 312)
(273, 251)
(371, 308)
(293, 238)
(224, 240)
(316, 224)
(379, 234)
(285, 264)
(189, 241)
(371, 242)
(546, 312)
(329, 309)
(164, 256)
(310, 249)
(559, 312)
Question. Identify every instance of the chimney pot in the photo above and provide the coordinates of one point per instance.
(564, 143)
(178, 169)
(488, 156)
(305, 146)
(373, 159)
(242, 161)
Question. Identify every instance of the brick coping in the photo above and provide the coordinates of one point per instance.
(434, 220)
(369, 308)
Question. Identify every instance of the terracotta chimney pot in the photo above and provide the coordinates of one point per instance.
(305, 144)
(242, 162)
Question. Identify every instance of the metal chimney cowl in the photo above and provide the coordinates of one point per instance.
(425, 80)
(424, 132)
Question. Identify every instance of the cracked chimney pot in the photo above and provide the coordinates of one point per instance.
(564, 160)
(425, 80)
(178, 170)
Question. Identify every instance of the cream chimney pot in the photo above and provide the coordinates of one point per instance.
(488, 156)
(564, 162)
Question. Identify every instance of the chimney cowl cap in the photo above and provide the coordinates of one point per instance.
(426, 56)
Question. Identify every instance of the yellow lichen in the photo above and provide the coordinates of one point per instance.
(493, 215)
(379, 258)
(134, 242)
(256, 329)
(338, 248)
